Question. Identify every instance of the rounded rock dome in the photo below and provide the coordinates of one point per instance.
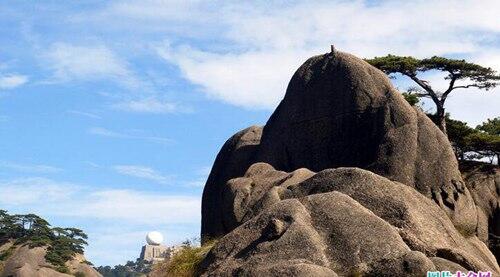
(154, 238)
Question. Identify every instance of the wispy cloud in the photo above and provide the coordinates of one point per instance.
(70, 62)
(142, 172)
(54, 198)
(254, 71)
(26, 191)
(99, 131)
(106, 133)
(85, 114)
(29, 168)
(109, 216)
(201, 176)
(11, 81)
(136, 206)
(151, 105)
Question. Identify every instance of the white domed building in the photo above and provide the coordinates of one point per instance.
(154, 251)
(154, 238)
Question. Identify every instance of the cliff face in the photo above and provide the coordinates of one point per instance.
(345, 178)
(483, 181)
(23, 261)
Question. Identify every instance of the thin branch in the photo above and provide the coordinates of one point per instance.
(450, 87)
(470, 86)
(425, 86)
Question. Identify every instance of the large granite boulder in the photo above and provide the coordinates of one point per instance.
(340, 111)
(483, 181)
(343, 221)
(236, 155)
(388, 198)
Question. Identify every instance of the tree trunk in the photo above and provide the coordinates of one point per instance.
(441, 119)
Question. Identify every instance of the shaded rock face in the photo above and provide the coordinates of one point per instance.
(387, 199)
(340, 111)
(236, 155)
(347, 220)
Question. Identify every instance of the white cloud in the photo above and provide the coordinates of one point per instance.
(150, 105)
(142, 172)
(31, 168)
(25, 191)
(115, 217)
(81, 62)
(85, 114)
(267, 42)
(99, 131)
(136, 206)
(106, 133)
(11, 81)
(53, 198)
(251, 79)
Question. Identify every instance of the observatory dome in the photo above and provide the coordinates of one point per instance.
(154, 238)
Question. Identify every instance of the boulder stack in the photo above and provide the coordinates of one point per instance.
(388, 197)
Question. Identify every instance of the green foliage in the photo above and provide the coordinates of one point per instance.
(130, 269)
(63, 269)
(482, 77)
(491, 126)
(411, 98)
(484, 145)
(79, 274)
(186, 261)
(457, 70)
(7, 253)
(396, 64)
(87, 263)
(483, 141)
(30, 229)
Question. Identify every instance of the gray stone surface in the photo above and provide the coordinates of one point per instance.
(387, 199)
(236, 155)
(347, 220)
(340, 111)
(154, 253)
(483, 181)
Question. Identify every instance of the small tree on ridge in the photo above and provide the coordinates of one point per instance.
(457, 70)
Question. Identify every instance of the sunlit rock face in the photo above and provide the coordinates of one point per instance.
(344, 179)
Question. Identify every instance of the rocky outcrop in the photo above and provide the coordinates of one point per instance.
(24, 261)
(236, 155)
(340, 111)
(388, 198)
(483, 181)
(345, 220)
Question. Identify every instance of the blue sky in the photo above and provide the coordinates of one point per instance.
(112, 112)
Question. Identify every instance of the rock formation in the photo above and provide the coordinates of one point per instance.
(233, 160)
(24, 261)
(387, 199)
(483, 180)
